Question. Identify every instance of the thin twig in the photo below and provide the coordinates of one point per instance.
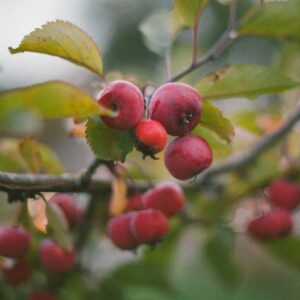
(222, 43)
(232, 14)
(90, 171)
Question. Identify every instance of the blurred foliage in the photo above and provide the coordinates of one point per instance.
(207, 254)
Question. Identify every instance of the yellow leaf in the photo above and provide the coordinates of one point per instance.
(118, 201)
(36, 209)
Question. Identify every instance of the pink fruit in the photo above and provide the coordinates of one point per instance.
(149, 226)
(275, 225)
(54, 258)
(187, 156)
(120, 232)
(67, 203)
(14, 241)
(284, 193)
(135, 203)
(127, 100)
(166, 197)
(177, 106)
(16, 273)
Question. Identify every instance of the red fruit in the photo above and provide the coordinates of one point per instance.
(284, 193)
(151, 137)
(127, 100)
(70, 208)
(54, 258)
(149, 226)
(166, 197)
(177, 106)
(14, 241)
(187, 156)
(16, 273)
(41, 295)
(275, 225)
(135, 203)
(120, 233)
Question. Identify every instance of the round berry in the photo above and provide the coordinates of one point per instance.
(67, 203)
(284, 193)
(135, 203)
(126, 100)
(177, 106)
(54, 258)
(151, 137)
(149, 226)
(275, 225)
(166, 197)
(187, 156)
(16, 273)
(120, 232)
(14, 241)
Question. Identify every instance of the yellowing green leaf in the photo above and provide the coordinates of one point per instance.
(244, 81)
(22, 156)
(108, 143)
(213, 119)
(39, 158)
(190, 10)
(30, 152)
(58, 225)
(53, 99)
(64, 40)
(279, 19)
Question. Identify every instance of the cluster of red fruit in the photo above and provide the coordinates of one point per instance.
(15, 243)
(284, 195)
(146, 219)
(174, 109)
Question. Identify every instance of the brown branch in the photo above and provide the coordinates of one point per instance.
(72, 183)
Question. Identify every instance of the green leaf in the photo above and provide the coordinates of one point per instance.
(278, 19)
(219, 255)
(53, 99)
(213, 119)
(247, 81)
(220, 148)
(156, 30)
(287, 250)
(190, 10)
(58, 225)
(108, 143)
(64, 40)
